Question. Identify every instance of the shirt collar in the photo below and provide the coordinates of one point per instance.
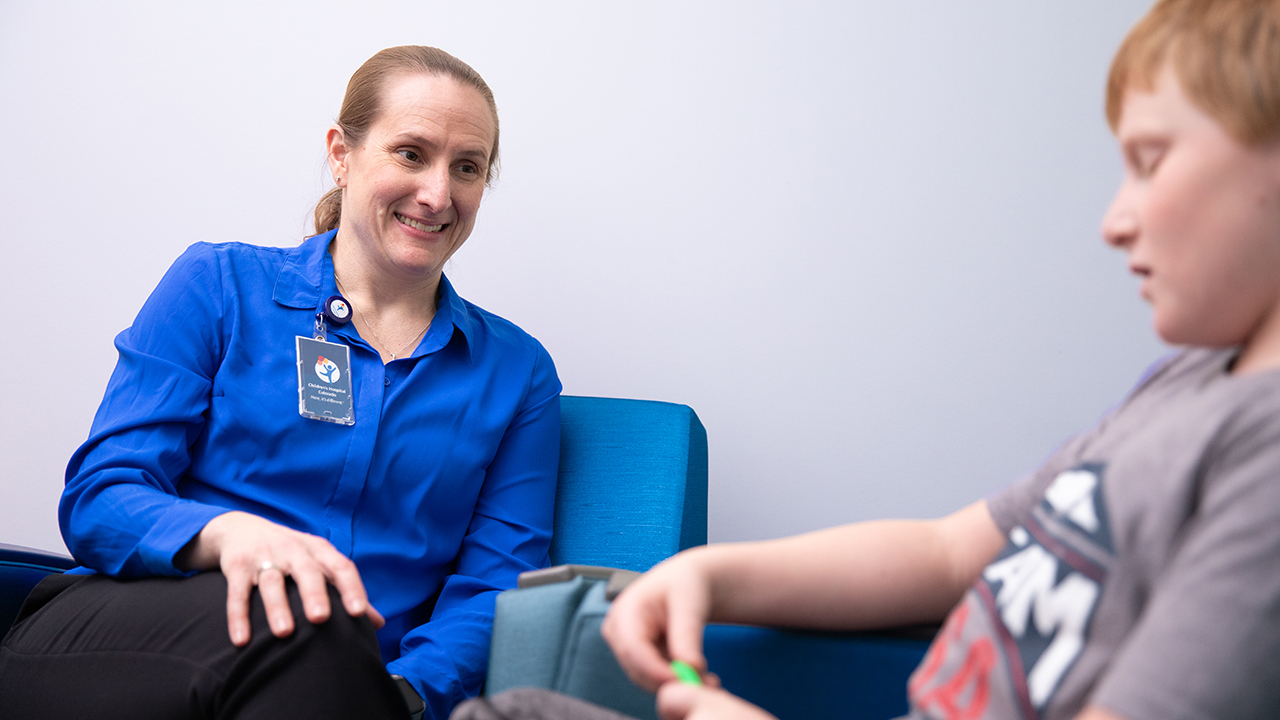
(307, 271)
(306, 279)
(451, 312)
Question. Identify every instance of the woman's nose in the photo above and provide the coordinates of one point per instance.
(433, 189)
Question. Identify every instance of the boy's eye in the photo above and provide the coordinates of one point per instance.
(409, 155)
(1145, 158)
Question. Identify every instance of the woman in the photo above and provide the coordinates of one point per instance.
(329, 424)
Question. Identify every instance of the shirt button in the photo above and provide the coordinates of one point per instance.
(386, 382)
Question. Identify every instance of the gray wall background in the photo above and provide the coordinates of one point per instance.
(859, 238)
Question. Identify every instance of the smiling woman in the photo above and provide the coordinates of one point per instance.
(238, 553)
(413, 149)
(411, 188)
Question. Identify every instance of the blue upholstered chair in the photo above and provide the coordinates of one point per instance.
(548, 636)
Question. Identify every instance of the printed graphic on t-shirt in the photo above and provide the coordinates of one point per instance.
(1005, 649)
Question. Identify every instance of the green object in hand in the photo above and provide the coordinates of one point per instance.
(685, 673)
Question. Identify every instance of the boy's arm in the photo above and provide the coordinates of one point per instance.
(865, 575)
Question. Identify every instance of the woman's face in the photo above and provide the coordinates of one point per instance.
(412, 188)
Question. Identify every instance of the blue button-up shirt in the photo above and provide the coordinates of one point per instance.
(441, 492)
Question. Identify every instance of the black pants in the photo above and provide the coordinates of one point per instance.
(96, 647)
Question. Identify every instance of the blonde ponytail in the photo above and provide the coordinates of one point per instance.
(328, 211)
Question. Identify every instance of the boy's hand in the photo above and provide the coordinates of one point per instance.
(677, 701)
(658, 618)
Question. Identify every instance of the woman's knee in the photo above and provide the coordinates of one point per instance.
(340, 629)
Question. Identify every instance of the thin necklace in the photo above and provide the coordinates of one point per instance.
(394, 355)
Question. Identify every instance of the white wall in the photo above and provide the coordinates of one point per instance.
(858, 237)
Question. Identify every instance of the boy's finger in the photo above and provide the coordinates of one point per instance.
(676, 699)
(684, 633)
(635, 643)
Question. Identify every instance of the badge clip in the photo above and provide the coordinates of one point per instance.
(336, 310)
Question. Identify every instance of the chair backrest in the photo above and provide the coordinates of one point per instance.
(633, 482)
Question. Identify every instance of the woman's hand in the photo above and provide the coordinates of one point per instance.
(659, 618)
(254, 551)
(677, 701)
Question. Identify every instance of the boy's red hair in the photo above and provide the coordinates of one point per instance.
(1226, 54)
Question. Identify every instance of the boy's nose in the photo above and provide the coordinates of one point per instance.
(1120, 222)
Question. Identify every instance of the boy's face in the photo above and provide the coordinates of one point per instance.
(1198, 215)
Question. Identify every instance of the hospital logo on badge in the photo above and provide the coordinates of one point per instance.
(327, 370)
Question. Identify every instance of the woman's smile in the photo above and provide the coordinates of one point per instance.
(419, 225)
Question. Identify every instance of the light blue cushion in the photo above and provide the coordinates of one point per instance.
(549, 637)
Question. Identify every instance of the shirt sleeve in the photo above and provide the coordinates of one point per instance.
(1011, 505)
(120, 513)
(446, 658)
(1208, 642)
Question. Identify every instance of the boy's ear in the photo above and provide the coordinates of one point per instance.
(336, 142)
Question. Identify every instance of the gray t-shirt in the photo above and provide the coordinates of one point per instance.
(1142, 571)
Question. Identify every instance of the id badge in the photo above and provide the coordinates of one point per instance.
(324, 381)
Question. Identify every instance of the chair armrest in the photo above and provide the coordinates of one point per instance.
(20, 569)
(801, 674)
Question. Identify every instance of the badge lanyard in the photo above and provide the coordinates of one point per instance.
(324, 369)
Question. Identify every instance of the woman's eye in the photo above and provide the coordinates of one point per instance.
(468, 169)
(409, 155)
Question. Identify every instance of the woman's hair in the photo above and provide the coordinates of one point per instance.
(1226, 54)
(363, 102)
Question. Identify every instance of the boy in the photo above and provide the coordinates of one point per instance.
(1136, 575)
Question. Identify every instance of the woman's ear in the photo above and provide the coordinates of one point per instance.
(336, 142)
